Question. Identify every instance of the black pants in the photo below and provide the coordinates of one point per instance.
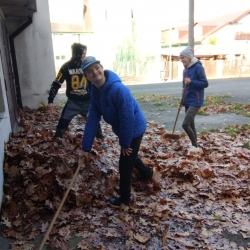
(189, 124)
(70, 110)
(126, 165)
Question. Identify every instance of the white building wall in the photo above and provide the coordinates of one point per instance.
(35, 59)
(5, 127)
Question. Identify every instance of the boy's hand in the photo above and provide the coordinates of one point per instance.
(126, 151)
(51, 106)
(187, 81)
(85, 157)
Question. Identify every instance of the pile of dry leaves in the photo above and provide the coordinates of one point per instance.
(194, 198)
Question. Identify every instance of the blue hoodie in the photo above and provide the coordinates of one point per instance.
(194, 94)
(118, 107)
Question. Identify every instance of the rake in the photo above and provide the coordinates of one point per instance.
(80, 164)
(173, 135)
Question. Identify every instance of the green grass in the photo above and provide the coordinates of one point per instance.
(215, 104)
(246, 145)
(214, 130)
(212, 103)
(204, 132)
(215, 99)
(161, 106)
(242, 109)
(231, 131)
(234, 130)
(152, 98)
(202, 113)
(159, 103)
(183, 134)
(246, 127)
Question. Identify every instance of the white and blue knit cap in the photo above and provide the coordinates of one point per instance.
(188, 52)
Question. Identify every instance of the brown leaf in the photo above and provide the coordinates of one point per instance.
(143, 237)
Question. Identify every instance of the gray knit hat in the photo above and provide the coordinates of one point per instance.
(188, 52)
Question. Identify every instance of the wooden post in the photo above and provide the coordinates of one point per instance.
(191, 24)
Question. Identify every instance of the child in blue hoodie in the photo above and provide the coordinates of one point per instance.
(113, 101)
(195, 80)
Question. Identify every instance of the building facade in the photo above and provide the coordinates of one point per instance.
(26, 63)
(222, 44)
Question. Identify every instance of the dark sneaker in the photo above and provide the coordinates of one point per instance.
(117, 202)
(152, 172)
(59, 133)
(99, 136)
(149, 176)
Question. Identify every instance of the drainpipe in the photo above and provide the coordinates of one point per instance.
(14, 62)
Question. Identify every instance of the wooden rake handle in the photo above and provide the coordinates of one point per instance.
(80, 164)
(179, 109)
(176, 120)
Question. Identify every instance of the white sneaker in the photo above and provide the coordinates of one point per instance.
(194, 150)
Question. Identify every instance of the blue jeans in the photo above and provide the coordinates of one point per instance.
(189, 125)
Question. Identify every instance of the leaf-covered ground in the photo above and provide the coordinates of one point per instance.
(196, 200)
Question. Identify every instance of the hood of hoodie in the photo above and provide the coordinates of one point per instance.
(193, 61)
(111, 78)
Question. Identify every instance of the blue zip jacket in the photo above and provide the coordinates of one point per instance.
(194, 94)
(119, 109)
